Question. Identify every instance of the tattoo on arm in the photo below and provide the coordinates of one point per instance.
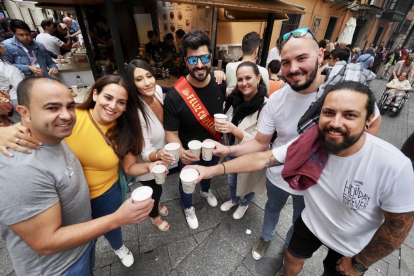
(272, 162)
(388, 237)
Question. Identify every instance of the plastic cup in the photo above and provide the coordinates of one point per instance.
(187, 177)
(74, 88)
(141, 193)
(195, 147)
(173, 149)
(220, 117)
(59, 61)
(159, 173)
(208, 148)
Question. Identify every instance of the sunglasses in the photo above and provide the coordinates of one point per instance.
(193, 60)
(301, 32)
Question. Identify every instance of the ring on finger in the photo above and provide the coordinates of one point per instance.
(17, 141)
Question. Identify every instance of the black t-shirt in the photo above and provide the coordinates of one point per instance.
(178, 116)
(158, 52)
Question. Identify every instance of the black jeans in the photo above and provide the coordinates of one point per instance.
(156, 195)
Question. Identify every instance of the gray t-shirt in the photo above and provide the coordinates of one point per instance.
(32, 183)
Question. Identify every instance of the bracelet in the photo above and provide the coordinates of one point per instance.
(229, 151)
(156, 154)
(224, 168)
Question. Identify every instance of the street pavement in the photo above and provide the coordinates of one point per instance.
(221, 245)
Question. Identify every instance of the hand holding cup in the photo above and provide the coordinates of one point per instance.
(225, 126)
(166, 157)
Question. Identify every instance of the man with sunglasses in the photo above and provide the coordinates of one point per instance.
(189, 108)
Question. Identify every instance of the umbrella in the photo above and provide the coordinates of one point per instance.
(348, 32)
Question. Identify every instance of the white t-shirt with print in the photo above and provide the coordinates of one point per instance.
(283, 112)
(51, 43)
(344, 209)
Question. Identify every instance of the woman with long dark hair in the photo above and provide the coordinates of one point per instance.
(150, 101)
(244, 109)
(107, 131)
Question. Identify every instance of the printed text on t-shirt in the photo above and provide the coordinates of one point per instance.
(354, 196)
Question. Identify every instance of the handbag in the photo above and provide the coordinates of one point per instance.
(6, 109)
(122, 179)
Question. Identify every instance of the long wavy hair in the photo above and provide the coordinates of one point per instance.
(126, 135)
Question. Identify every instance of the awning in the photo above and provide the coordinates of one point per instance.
(263, 6)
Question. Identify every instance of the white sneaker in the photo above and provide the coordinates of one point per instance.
(191, 218)
(125, 255)
(211, 199)
(227, 205)
(240, 211)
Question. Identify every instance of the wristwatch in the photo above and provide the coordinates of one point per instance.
(358, 266)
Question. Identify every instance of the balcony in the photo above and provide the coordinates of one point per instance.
(396, 10)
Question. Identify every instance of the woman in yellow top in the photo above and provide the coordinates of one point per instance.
(114, 108)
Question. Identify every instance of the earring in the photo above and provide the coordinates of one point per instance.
(366, 127)
(258, 85)
(125, 110)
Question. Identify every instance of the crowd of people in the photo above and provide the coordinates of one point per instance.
(311, 137)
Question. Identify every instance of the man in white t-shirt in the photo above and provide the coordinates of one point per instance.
(362, 206)
(52, 43)
(250, 48)
(274, 53)
(301, 57)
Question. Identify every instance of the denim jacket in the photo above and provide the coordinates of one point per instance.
(16, 55)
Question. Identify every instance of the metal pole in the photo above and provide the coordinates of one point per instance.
(214, 31)
(271, 17)
(110, 8)
(88, 47)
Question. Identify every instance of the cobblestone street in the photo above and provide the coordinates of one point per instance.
(221, 246)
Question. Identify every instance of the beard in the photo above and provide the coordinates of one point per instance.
(307, 83)
(335, 148)
(198, 78)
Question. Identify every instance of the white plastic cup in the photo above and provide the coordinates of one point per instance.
(74, 88)
(220, 117)
(187, 177)
(195, 147)
(141, 193)
(59, 61)
(173, 149)
(159, 173)
(208, 148)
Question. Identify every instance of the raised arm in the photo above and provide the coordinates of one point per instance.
(45, 235)
(244, 164)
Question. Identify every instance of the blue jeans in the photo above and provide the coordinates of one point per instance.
(107, 204)
(85, 264)
(276, 199)
(187, 199)
(232, 178)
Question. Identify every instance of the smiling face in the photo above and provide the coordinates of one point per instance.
(144, 82)
(109, 104)
(51, 113)
(247, 82)
(403, 76)
(199, 71)
(300, 61)
(342, 122)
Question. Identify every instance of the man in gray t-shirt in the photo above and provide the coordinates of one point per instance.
(45, 211)
(32, 184)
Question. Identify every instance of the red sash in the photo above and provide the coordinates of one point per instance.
(189, 96)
